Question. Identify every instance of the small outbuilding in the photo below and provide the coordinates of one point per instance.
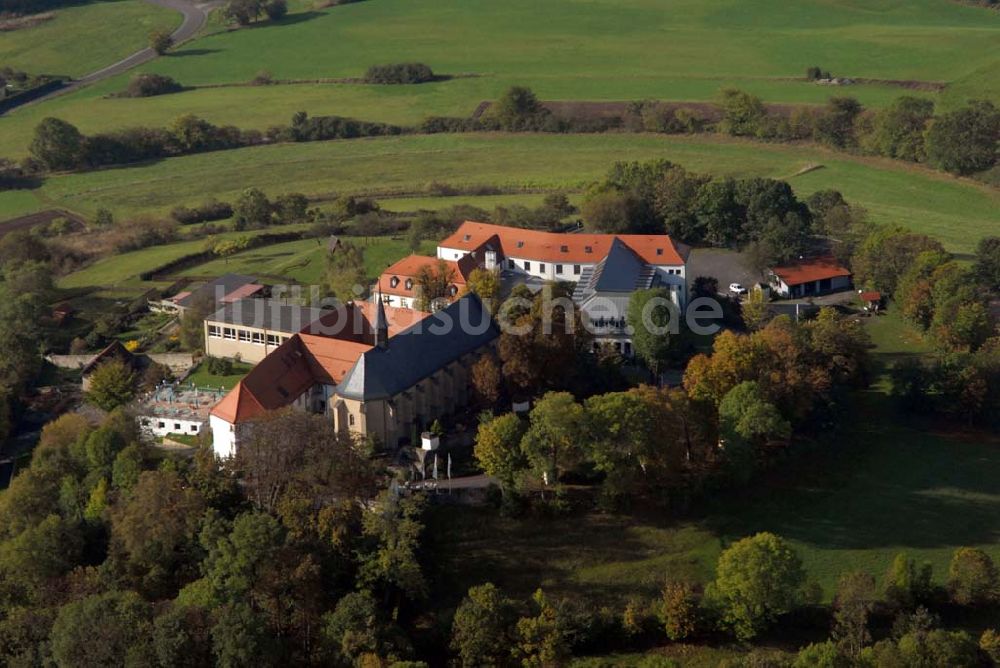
(810, 277)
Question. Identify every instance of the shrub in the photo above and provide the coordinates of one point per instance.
(679, 610)
(208, 211)
(160, 41)
(148, 85)
(276, 9)
(399, 73)
(219, 366)
(972, 577)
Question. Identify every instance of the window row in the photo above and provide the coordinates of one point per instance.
(245, 335)
(511, 264)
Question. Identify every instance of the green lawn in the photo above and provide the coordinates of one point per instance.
(202, 378)
(664, 49)
(959, 212)
(85, 38)
(120, 273)
(303, 261)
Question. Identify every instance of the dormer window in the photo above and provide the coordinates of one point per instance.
(520, 244)
(409, 284)
(564, 249)
(659, 251)
(394, 281)
(467, 237)
(453, 290)
(588, 249)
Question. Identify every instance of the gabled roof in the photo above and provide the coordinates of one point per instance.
(215, 290)
(807, 271)
(657, 249)
(441, 338)
(355, 321)
(292, 368)
(113, 351)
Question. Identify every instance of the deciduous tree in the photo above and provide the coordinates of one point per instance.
(757, 579)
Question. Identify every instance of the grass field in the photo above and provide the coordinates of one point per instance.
(80, 39)
(121, 271)
(959, 212)
(665, 49)
(304, 261)
(882, 488)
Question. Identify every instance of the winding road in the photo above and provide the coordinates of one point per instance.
(195, 17)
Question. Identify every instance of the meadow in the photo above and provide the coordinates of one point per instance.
(880, 488)
(957, 211)
(78, 40)
(304, 261)
(659, 49)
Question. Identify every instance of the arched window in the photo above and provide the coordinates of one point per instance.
(453, 290)
(409, 284)
(394, 281)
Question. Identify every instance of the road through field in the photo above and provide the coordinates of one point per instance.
(195, 16)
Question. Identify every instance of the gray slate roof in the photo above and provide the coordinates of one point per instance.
(620, 271)
(416, 353)
(217, 289)
(267, 314)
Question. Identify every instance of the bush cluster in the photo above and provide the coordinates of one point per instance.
(208, 211)
(399, 73)
(150, 84)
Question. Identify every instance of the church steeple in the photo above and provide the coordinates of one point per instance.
(381, 323)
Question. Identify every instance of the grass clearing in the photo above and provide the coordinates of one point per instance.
(957, 211)
(80, 39)
(202, 378)
(304, 261)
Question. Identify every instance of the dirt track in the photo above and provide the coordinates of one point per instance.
(40, 218)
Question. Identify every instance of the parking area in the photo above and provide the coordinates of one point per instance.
(726, 266)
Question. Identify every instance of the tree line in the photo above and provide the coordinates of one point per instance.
(963, 141)
(759, 582)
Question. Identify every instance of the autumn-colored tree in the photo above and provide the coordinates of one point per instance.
(484, 283)
(679, 610)
(155, 531)
(754, 310)
(433, 284)
(543, 639)
(487, 380)
(855, 599)
(972, 577)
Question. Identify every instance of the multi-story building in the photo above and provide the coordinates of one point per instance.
(399, 285)
(606, 269)
(384, 387)
(555, 256)
(251, 329)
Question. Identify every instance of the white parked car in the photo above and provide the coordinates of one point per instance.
(737, 289)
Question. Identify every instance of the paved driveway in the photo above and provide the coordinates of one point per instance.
(726, 266)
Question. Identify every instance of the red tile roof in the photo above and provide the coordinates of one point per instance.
(409, 267)
(556, 247)
(808, 271)
(241, 292)
(872, 296)
(291, 369)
